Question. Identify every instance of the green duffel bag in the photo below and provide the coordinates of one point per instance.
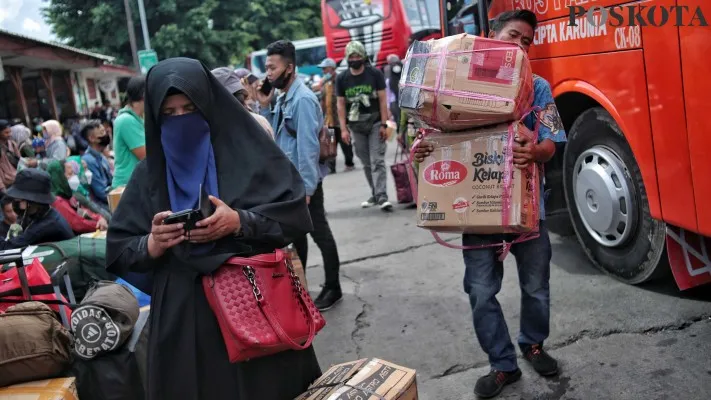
(85, 256)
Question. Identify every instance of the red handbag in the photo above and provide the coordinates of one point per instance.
(261, 307)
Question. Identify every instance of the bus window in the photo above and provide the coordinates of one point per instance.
(423, 15)
(463, 16)
(308, 58)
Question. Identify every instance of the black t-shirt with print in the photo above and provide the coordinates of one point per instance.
(361, 94)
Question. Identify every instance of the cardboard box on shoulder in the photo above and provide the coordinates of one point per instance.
(114, 197)
(48, 389)
(364, 379)
(476, 82)
(461, 184)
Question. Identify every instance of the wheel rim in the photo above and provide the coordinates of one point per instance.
(602, 196)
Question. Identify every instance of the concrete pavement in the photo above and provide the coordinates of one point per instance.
(403, 302)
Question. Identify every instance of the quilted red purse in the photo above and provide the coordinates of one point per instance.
(261, 307)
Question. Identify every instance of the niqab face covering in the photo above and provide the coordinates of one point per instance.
(189, 159)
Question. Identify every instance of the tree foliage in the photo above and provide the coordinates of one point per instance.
(217, 32)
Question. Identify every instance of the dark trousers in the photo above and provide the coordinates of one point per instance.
(323, 238)
(346, 148)
(482, 281)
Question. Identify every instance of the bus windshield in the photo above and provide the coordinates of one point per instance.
(463, 16)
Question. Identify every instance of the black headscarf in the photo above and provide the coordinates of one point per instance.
(253, 173)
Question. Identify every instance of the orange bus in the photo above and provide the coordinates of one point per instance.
(632, 180)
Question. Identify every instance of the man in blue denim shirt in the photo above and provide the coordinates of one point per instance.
(101, 176)
(484, 273)
(297, 121)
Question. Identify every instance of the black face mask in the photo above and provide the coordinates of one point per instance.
(355, 64)
(281, 81)
(104, 141)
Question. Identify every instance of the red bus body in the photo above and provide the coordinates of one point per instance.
(383, 26)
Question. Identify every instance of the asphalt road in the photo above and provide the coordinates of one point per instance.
(404, 302)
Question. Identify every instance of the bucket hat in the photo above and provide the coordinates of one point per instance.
(33, 185)
(328, 63)
(229, 79)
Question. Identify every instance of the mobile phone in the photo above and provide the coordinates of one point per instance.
(251, 79)
(266, 86)
(187, 217)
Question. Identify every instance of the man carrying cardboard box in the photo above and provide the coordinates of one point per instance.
(484, 273)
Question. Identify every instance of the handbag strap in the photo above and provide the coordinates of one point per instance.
(274, 322)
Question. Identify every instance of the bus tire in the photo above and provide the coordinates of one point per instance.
(607, 201)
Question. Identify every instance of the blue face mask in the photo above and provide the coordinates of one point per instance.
(327, 77)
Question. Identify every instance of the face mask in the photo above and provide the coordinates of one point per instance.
(74, 183)
(281, 81)
(355, 64)
(88, 176)
(104, 141)
(327, 77)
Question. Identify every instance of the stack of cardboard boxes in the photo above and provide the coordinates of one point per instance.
(473, 92)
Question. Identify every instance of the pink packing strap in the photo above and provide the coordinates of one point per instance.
(506, 201)
(437, 89)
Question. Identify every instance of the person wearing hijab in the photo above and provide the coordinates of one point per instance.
(79, 177)
(233, 84)
(79, 218)
(9, 156)
(197, 134)
(55, 148)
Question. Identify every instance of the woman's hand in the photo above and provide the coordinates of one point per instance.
(225, 221)
(163, 237)
(101, 224)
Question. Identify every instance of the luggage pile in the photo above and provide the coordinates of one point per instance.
(472, 94)
(53, 347)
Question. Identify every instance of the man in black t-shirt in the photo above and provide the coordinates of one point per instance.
(362, 114)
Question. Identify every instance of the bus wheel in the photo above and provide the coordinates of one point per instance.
(608, 202)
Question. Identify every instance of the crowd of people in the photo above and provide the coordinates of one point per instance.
(55, 178)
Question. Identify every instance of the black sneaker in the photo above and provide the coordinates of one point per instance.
(368, 203)
(491, 385)
(543, 363)
(385, 205)
(328, 298)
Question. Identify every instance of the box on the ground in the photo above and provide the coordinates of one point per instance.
(465, 81)
(462, 183)
(48, 389)
(114, 197)
(364, 379)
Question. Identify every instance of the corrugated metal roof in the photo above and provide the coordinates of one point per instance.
(59, 45)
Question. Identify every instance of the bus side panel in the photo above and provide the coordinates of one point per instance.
(620, 77)
(696, 72)
(666, 105)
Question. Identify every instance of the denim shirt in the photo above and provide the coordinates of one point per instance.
(550, 127)
(101, 176)
(300, 111)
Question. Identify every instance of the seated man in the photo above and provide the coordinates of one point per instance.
(32, 199)
(96, 161)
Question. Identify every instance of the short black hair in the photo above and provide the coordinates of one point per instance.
(283, 48)
(5, 201)
(88, 127)
(135, 89)
(498, 24)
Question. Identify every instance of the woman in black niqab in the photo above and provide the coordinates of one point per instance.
(187, 358)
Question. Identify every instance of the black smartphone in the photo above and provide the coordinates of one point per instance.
(266, 86)
(190, 217)
(251, 79)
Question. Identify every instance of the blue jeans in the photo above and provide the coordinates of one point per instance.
(482, 281)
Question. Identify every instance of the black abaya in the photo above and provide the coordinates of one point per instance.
(187, 358)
